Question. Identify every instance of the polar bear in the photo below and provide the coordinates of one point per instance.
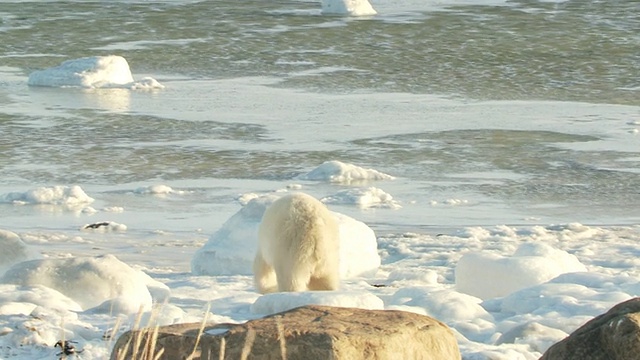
(298, 246)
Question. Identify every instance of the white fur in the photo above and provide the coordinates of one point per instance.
(298, 246)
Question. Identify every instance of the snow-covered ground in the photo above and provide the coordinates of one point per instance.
(508, 292)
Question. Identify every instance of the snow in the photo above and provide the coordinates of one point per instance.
(70, 196)
(371, 197)
(339, 172)
(277, 302)
(14, 250)
(231, 249)
(489, 275)
(348, 7)
(91, 282)
(462, 311)
(158, 189)
(507, 292)
(92, 72)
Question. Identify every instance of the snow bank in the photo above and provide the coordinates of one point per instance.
(339, 172)
(14, 250)
(364, 198)
(232, 248)
(91, 72)
(56, 195)
(348, 7)
(488, 275)
(278, 302)
(103, 283)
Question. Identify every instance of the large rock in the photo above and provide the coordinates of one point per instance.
(614, 335)
(308, 332)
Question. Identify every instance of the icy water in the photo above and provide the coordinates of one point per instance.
(524, 109)
(487, 113)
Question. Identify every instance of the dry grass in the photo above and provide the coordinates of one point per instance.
(248, 344)
(142, 344)
(223, 345)
(200, 332)
(281, 337)
(148, 334)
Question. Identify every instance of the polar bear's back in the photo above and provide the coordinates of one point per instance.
(299, 226)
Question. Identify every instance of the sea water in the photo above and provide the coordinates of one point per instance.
(518, 113)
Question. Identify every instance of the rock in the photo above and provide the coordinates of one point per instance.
(614, 335)
(308, 332)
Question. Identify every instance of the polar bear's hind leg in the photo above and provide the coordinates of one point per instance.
(323, 283)
(265, 276)
(294, 276)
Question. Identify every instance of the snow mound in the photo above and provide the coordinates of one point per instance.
(14, 250)
(278, 302)
(348, 7)
(147, 83)
(55, 195)
(91, 72)
(16, 299)
(539, 337)
(232, 248)
(364, 198)
(488, 275)
(158, 190)
(358, 248)
(449, 306)
(339, 172)
(91, 282)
